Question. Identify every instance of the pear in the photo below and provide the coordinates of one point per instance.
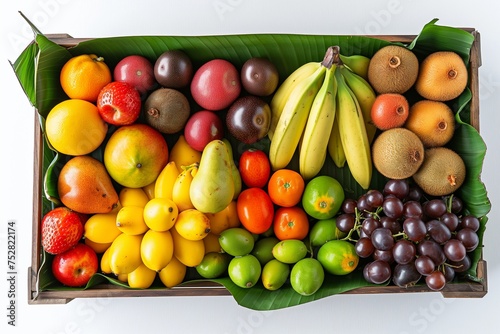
(85, 186)
(212, 188)
(234, 169)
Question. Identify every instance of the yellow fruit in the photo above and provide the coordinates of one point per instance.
(189, 252)
(133, 197)
(192, 224)
(150, 190)
(183, 154)
(180, 190)
(157, 249)
(123, 278)
(101, 228)
(105, 263)
(165, 181)
(141, 278)
(99, 248)
(173, 274)
(224, 219)
(160, 214)
(211, 242)
(83, 77)
(125, 254)
(130, 220)
(66, 137)
(432, 121)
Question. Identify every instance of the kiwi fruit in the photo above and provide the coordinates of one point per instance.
(442, 77)
(442, 172)
(397, 153)
(167, 110)
(393, 69)
(432, 121)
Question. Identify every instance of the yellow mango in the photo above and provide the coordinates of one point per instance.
(101, 228)
(173, 274)
(192, 224)
(133, 197)
(141, 278)
(125, 254)
(189, 252)
(130, 220)
(157, 249)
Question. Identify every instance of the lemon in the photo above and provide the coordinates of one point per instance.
(74, 127)
(173, 274)
(189, 252)
(133, 197)
(101, 228)
(124, 254)
(130, 220)
(160, 214)
(141, 278)
(192, 224)
(157, 249)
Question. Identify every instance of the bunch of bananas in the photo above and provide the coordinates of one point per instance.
(324, 108)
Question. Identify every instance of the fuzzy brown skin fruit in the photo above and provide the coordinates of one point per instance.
(442, 172)
(167, 110)
(397, 153)
(443, 76)
(393, 69)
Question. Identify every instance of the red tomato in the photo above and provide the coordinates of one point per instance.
(216, 84)
(290, 223)
(255, 210)
(255, 168)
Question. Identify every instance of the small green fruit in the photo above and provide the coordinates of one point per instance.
(244, 271)
(307, 276)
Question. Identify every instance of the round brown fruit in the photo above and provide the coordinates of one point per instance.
(259, 76)
(167, 110)
(173, 69)
(248, 119)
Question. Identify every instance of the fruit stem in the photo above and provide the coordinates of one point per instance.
(394, 62)
(332, 56)
(153, 112)
(452, 74)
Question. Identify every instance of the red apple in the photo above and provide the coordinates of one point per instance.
(137, 71)
(75, 266)
(119, 103)
(203, 127)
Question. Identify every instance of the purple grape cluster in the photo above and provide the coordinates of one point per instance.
(408, 237)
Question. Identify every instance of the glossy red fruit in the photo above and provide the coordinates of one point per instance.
(119, 103)
(255, 168)
(75, 266)
(137, 71)
(389, 111)
(255, 210)
(61, 229)
(203, 127)
(216, 84)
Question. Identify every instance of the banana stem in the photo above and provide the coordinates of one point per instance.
(332, 56)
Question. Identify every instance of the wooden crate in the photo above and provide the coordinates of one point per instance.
(459, 290)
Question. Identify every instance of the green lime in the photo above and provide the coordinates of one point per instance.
(213, 265)
(325, 230)
(275, 274)
(263, 249)
(338, 257)
(322, 197)
(244, 270)
(290, 251)
(307, 276)
(236, 241)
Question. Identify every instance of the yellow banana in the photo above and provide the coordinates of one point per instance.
(165, 181)
(335, 148)
(318, 128)
(357, 63)
(293, 119)
(283, 92)
(365, 95)
(353, 134)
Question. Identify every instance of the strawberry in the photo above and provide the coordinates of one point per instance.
(61, 229)
(119, 103)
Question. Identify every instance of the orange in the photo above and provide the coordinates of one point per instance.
(285, 187)
(389, 110)
(290, 223)
(74, 127)
(83, 77)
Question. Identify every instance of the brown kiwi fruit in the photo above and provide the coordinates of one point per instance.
(167, 110)
(393, 69)
(432, 121)
(442, 172)
(443, 76)
(397, 153)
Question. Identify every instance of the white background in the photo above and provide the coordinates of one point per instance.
(415, 313)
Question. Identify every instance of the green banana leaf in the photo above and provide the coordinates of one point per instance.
(38, 67)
